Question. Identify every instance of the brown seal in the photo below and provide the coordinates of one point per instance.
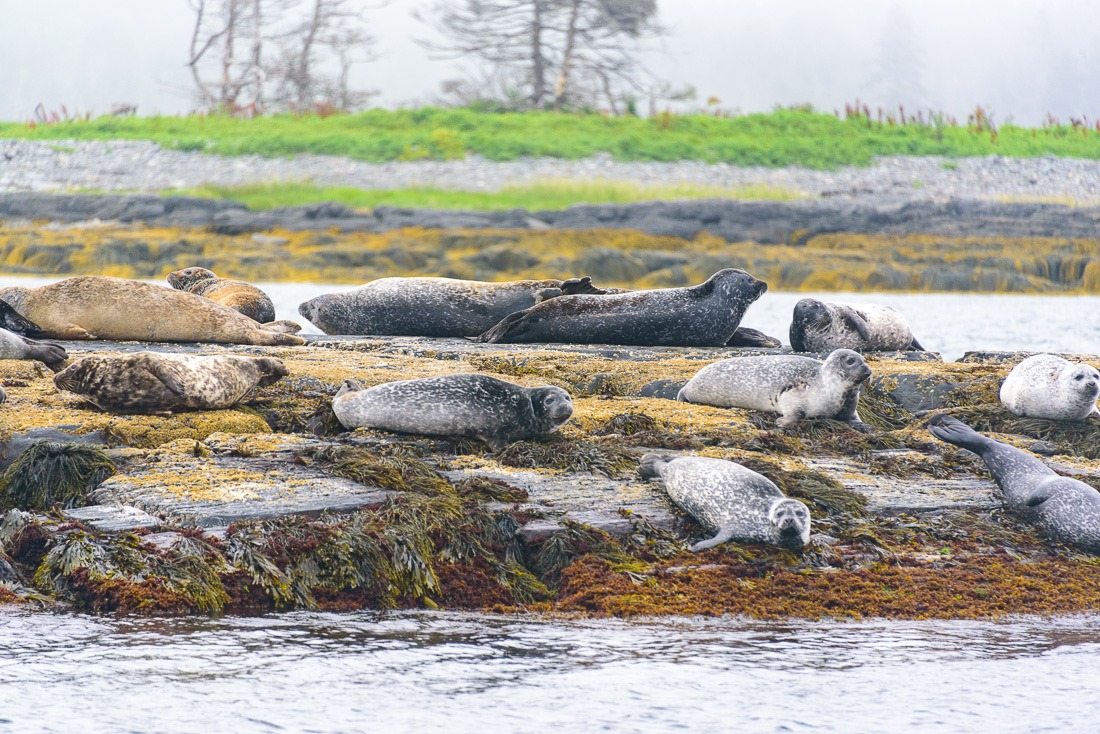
(153, 382)
(99, 307)
(236, 294)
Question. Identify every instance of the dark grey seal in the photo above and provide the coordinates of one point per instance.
(152, 382)
(1067, 509)
(492, 410)
(705, 315)
(818, 326)
(431, 306)
(730, 500)
(795, 387)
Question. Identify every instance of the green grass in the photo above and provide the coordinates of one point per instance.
(546, 194)
(780, 138)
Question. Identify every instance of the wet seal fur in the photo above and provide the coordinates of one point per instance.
(731, 501)
(437, 307)
(793, 386)
(705, 315)
(1047, 386)
(244, 298)
(100, 307)
(1066, 509)
(818, 326)
(486, 408)
(153, 382)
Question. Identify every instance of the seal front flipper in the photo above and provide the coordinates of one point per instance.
(856, 321)
(724, 536)
(1039, 496)
(164, 375)
(72, 331)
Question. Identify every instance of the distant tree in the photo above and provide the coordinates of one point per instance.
(225, 53)
(898, 78)
(550, 53)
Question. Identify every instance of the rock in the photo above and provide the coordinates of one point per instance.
(113, 518)
(667, 389)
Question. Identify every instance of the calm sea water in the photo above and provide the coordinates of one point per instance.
(947, 323)
(428, 672)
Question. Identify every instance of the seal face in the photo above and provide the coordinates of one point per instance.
(99, 307)
(152, 382)
(486, 408)
(431, 306)
(818, 326)
(242, 297)
(1067, 509)
(705, 315)
(1047, 386)
(14, 346)
(731, 501)
(793, 386)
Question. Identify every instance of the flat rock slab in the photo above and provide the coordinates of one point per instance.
(113, 518)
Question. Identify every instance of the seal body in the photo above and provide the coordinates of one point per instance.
(430, 306)
(14, 346)
(795, 387)
(730, 501)
(1047, 386)
(1067, 509)
(99, 307)
(705, 315)
(818, 326)
(242, 297)
(492, 410)
(152, 382)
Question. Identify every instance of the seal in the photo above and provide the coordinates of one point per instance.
(486, 408)
(242, 297)
(705, 315)
(431, 306)
(822, 327)
(99, 307)
(1067, 509)
(795, 387)
(1047, 386)
(729, 500)
(15, 346)
(3, 395)
(154, 382)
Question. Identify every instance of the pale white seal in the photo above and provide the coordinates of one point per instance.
(1047, 386)
(818, 326)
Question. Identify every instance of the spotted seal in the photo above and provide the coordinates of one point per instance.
(705, 315)
(486, 408)
(242, 297)
(793, 386)
(153, 382)
(431, 306)
(1067, 509)
(730, 500)
(100, 307)
(1047, 386)
(818, 326)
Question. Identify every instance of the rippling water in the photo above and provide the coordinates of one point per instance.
(461, 673)
(948, 323)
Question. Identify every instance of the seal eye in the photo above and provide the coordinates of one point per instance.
(851, 360)
(1079, 377)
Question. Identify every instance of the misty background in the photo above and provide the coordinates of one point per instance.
(1018, 58)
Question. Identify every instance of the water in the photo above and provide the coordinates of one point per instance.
(948, 323)
(403, 672)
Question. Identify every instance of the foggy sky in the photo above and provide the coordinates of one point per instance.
(1021, 58)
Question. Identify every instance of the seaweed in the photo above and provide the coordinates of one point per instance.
(52, 473)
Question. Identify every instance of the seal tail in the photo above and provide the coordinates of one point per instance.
(954, 431)
(649, 466)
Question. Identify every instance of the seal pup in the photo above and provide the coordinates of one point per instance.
(14, 346)
(154, 382)
(492, 410)
(1047, 386)
(705, 315)
(242, 297)
(730, 500)
(100, 307)
(1067, 509)
(431, 306)
(822, 327)
(795, 387)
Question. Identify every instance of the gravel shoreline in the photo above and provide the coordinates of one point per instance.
(138, 166)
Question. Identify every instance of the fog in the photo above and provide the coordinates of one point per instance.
(1019, 58)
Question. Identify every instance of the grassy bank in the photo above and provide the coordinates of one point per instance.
(546, 194)
(780, 138)
(827, 262)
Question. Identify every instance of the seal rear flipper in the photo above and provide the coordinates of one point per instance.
(746, 337)
(954, 431)
(283, 326)
(499, 332)
(284, 340)
(581, 286)
(649, 466)
(724, 536)
(12, 320)
(914, 346)
(49, 353)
